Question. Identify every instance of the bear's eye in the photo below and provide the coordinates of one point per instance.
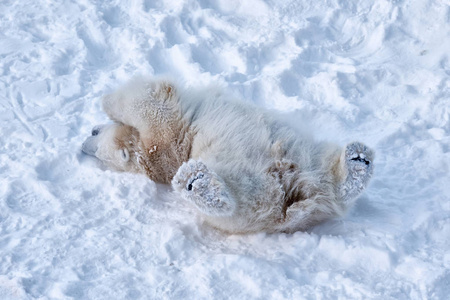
(125, 154)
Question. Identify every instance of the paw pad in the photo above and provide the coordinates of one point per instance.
(360, 158)
(192, 180)
(358, 152)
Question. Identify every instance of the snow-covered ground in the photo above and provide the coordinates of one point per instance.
(375, 71)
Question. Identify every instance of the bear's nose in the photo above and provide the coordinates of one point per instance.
(96, 130)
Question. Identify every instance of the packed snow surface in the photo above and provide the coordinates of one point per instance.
(374, 71)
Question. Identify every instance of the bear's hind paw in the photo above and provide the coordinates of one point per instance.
(359, 164)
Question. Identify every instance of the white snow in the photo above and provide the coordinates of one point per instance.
(375, 71)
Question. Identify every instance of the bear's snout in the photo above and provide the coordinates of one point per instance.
(90, 146)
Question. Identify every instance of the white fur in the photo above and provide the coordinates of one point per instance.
(245, 170)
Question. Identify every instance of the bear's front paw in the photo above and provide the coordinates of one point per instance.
(196, 183)
(359, 164)
(191, 176)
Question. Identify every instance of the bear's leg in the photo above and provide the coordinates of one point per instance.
(358, 161)
(196, 183)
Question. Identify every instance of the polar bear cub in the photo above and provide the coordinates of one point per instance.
(241, 167)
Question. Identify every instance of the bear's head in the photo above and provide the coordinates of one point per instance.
(117, 145)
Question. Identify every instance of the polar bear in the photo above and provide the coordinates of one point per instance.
(244, 169)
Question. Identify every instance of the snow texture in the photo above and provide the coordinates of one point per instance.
(374, 71)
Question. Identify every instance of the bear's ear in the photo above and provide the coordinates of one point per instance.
(111, 107)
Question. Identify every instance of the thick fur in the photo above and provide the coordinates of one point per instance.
(245, 170)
